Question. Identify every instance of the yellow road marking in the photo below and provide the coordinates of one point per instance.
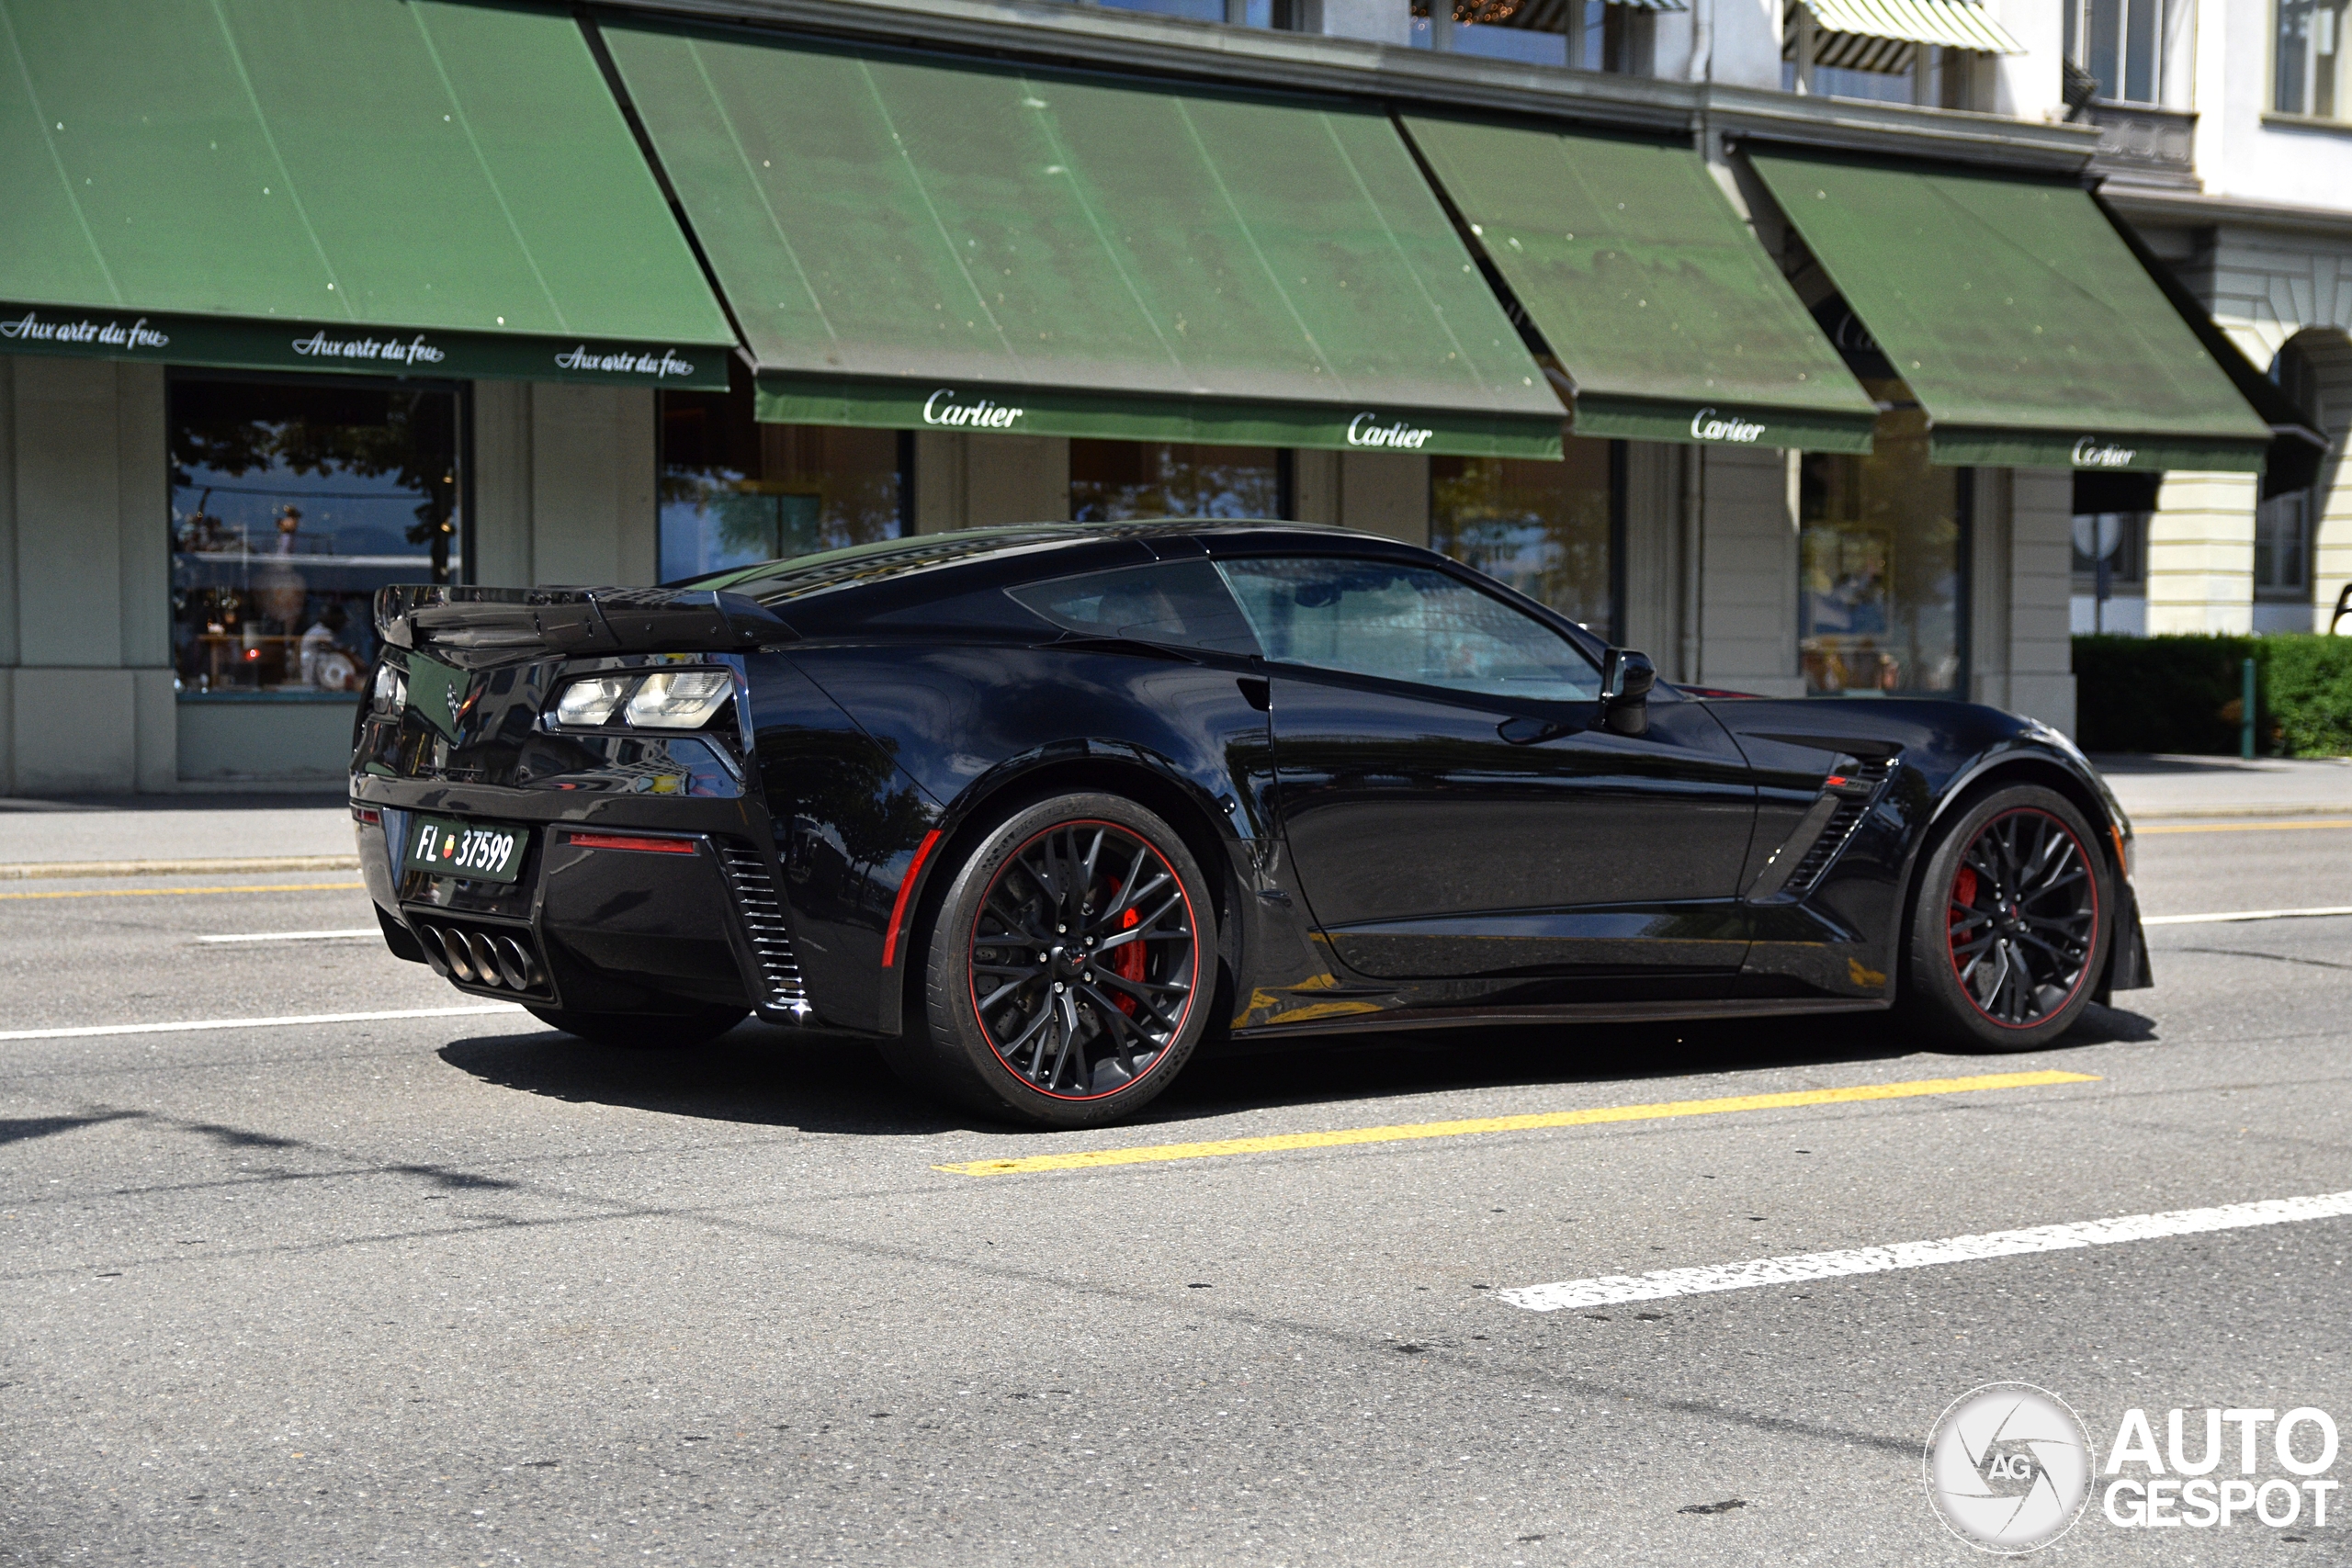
(2246, 827)
(1283, 1142)
(183, 892)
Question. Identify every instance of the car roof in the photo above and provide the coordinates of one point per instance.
(1029, 550)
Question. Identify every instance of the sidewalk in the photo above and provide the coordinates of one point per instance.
(198, 831)
(203, 831)
(2152, 789)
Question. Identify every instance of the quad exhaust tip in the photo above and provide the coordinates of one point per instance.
(485, 957)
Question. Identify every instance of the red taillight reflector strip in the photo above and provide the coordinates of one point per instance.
(366, 814)
(906, 886)
(630, 841)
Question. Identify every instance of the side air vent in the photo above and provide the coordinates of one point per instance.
(1858, 785)
(754, 887)
(482, 956)
(1798, 865)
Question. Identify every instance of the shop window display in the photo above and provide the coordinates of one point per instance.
(1111, 481)
(736, 492)
(291, 503)
(1547, 529)
(1882, 598)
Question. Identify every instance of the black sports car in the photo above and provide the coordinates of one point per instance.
(1040, 810)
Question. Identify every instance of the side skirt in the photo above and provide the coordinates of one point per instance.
(1570, 1012)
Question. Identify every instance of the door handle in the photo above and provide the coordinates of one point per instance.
(1525, 731)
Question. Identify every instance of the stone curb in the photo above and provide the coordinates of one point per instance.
(23, 870)
(2218, 813)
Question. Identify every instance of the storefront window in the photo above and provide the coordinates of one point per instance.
(1547, 529)
(1882, 601)
(291, 503)
(1111, 481)
(736, 492)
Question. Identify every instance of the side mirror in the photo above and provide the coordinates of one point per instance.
(1626, 680)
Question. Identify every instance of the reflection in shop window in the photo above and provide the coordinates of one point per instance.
(736, 492)
(1111, 481)
(291, 503)
(1883, 599)
(1547, 529)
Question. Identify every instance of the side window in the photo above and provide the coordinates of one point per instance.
(1405, 622)
(1180, 603)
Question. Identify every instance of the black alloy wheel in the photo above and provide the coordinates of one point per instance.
(1068, 968)
(2012, 921)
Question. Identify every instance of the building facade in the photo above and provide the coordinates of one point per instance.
(543, 297)
(2227, 142)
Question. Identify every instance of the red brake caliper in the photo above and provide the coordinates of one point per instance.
(1127, 963)
(1963, 895)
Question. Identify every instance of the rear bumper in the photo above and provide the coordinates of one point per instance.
(689, 912)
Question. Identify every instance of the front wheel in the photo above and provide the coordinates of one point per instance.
(643, 1030)
(2012, 922)
(1069, 970)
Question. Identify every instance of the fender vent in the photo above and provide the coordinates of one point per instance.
(779, 985)
(1853, 802)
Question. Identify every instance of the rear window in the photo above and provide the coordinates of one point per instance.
(1177, 603)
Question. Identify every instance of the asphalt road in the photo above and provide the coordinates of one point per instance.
(458, 1290)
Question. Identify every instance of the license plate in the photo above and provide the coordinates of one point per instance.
(484, 851)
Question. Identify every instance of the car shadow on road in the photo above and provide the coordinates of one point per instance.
(755, 1073)
(774, 1077)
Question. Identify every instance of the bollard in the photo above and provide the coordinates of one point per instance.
(2246, 722)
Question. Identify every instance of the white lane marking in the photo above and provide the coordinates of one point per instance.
(193, 1023)
(295, 936)
(2242, 914)
(1610, 1289)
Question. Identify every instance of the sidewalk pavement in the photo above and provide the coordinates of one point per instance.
(201, 832)
(141, 831)
(2154, 788)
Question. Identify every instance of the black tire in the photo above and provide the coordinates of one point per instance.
(643, 1030)
(1019, 1014)
(2012, 917)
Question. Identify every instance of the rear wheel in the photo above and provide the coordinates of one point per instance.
(1066, 969)
(2012, 922)
(643, 1030)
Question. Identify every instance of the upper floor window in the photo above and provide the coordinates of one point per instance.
(2128, 47)
(1848, 49)
(1587, 35)
(2307, 63)
(1285, 14)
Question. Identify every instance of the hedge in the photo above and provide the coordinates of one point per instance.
(2181, 693)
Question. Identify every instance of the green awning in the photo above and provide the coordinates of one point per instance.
(912, 243)
(425, 188)
(1668, 319)
(2019, 318)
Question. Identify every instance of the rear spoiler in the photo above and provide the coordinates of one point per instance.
(583, 621)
